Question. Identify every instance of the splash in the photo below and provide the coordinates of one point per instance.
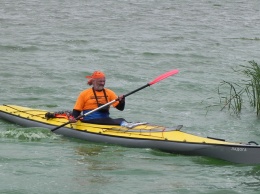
(28, 134)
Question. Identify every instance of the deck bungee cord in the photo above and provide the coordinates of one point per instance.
(24, 111)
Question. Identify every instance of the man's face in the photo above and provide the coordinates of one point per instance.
(99, 84)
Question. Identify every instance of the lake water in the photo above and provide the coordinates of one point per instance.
(48, 47)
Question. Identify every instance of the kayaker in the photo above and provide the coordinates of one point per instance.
(95, 97)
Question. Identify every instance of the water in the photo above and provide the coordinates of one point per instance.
(46, 49)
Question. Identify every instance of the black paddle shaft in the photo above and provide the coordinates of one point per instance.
(136, 90)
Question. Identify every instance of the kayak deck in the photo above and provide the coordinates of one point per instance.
(143, 131)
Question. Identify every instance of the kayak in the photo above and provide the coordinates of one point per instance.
(139, 135)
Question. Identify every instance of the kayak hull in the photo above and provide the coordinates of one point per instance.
(167, 140)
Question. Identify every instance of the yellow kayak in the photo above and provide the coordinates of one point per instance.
(140, 135)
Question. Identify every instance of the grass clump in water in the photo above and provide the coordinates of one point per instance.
(248, 88)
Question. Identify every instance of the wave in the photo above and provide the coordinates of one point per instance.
(244, 38)
(18, 48)
(256, 38)
(28, 134)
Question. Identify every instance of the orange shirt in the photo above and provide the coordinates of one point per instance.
(87, 101)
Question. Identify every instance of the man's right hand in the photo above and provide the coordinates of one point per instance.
(72, 119)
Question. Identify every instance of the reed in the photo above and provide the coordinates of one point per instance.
(248, 87)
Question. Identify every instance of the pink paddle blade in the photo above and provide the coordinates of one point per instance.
(164, 76)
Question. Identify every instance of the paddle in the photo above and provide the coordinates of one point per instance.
(156, 80)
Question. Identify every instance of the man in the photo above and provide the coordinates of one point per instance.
(95, 97)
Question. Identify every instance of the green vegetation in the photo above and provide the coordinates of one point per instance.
(248, 88)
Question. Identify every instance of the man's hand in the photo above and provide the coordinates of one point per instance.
(121, 98)
(72, 119)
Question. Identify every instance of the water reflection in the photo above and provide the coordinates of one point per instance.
(89, 150)
(99, 156)
(96, 163)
